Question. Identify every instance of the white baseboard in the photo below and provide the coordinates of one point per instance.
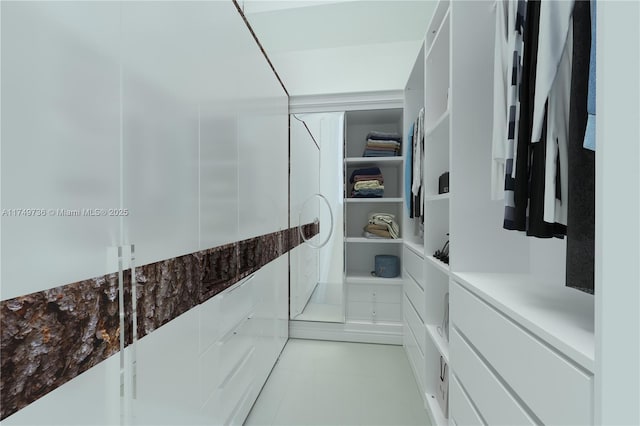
(383, 333)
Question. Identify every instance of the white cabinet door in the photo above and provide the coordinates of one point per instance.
(263, 159)
(60, 142)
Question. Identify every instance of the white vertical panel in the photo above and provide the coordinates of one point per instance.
(60, 138)
(168, 374)
(218, 175)
(305, 169)
(617, 271)
(160, 128)
(476, 222)
(92, 398)
(263, 158)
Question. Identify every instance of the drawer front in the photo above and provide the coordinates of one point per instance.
(229, 397)
(236, 303)
(233, 347)
(374, 293)
(416, 325)
(554, 389)
(414, 265)
(416, 359)
(415, 293)
(495, 403)
(461, 410)
(374, 312)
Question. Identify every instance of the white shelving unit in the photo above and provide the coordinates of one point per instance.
(363, 240)
(377, 161)
(371, 300)
(390, 200)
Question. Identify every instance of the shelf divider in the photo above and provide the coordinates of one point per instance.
(442, 120)
(435, 411)
(438, 197)
(441, 344)
(373, 200)
(364, 240)
(438, 264)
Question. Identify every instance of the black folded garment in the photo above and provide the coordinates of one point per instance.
(369, 171)
(384, 136)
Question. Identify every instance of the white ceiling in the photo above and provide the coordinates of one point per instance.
(332, 42)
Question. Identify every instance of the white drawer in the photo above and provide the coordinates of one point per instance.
(237, 385)
(233, 347)
(416, 359)
(232, 394)
(496, 404)
(236, 303)
(374, 293)
(375, 312)
(415, 323)
(461, 410)
(415, 293)
(414, 265)
(555, 390)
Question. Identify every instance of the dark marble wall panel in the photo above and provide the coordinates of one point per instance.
(166, 290)
(50, 337)
(219, 269)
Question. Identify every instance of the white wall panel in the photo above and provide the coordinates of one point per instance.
(305, 169)
(92, 398)
(170, 110)
(263, 170)
(218, 176)
(160, 128)
(60, 136)
(168, 374)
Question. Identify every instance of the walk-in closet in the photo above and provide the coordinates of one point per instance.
(351, 212)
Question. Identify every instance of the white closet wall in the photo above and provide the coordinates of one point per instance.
(60, 141)
(142, 106)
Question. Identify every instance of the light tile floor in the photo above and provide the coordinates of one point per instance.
(336, 383)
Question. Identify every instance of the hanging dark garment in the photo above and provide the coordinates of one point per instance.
(523, 148)
(530, 157)
(581, 206)
(537, 226)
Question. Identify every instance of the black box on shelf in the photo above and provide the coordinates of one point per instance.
(443, 183)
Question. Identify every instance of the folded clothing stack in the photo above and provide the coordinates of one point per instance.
(382, 225)
(380, 144)
(367, 183)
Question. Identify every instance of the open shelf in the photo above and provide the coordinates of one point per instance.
(415, 247)
(364, 240)
(441, 266)
(441, 123)
(373, 160)
(442, 31)
(373, 200)
(435, 412)
(441, 344)
(438, 197)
